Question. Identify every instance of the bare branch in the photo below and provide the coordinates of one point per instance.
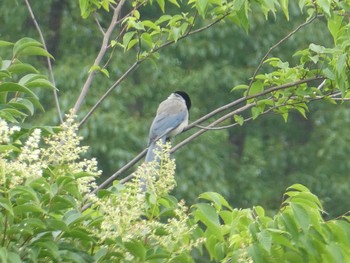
(120, 171)
(98, 24)
(101, 54)
(105, 95)
(52, 77)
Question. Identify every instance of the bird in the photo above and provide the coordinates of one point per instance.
(171, 118)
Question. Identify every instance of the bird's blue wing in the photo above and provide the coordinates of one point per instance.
(164, 123)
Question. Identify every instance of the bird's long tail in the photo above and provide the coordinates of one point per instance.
(150, 156)
(153, 147)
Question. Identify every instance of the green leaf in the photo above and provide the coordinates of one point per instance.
(208, 215)
(202, 7)
(34, 51)
(317, 48)
(239, 87)
(5, 43)
(325, 6)
(23, 104)
(161, 4)
(150, 24)
(265, 240)
(334, 25)
(175, 33)
(8, 256)
(40, 83)
(24, 43)
(216, 198)
(5, 64)
(255, 112)
(174, 2)
(298, 187)
(256, 88)
(127, 38)
(239, 119)
(147, 39)
(105, 72)
(14, 87)
(20, 68)
(27, 208)
(5, 74)
(137, 249)
(8, 148)
(301, 215)
(284, 6)
(5, 203)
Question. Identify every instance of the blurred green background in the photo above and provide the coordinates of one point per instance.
(249, 165)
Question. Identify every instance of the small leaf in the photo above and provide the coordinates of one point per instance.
(284, 6)
(161, 4)
(132, 43)
(174, 2)
(94, 68)
(202, 7)
(239, 87)
(5, 203)
(255, 112)
(105, 72)
(216, 198)
(256, 88)
(5, 43)
(127, 38)
(325, 6)
(239, 119)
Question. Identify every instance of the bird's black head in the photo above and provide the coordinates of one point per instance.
(185, 96)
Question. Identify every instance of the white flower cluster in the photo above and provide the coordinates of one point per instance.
(124, 213)
(61, 150)
(6, 131)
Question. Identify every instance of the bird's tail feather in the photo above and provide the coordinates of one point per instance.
(150, 156)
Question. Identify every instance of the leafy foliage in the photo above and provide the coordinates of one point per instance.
(297, 233)
(18, 79)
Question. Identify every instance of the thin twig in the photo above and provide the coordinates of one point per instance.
(276, 45)
(52, 78)
(104, 96)
(120, 171)
(98, 24)
(101, 54)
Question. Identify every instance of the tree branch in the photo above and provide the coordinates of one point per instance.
(101, 54)
(52, 78)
